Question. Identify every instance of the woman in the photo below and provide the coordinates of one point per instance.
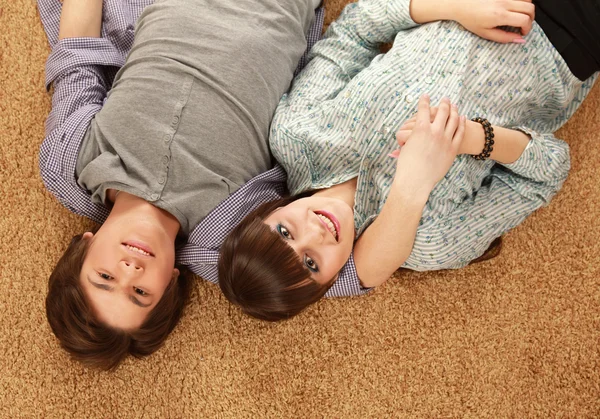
(150, 151)
(446, 198)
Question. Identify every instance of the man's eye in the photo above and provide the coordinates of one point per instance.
(140, 291)
(104, 276)
(311, 264)
(285, 233)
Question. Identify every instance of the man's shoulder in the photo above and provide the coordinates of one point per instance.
(267, 186)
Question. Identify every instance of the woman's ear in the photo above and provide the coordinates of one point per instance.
(87, 235)
(175, 274)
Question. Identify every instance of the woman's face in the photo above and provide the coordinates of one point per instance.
(321, 232)
(129, 264)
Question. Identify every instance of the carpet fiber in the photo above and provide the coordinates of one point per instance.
(514, 337)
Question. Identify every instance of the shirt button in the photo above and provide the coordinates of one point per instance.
(409, 99)
(175, 120)
(154, 197)
(161, 180)
(165, 160)
(428, 80)
(167, 138)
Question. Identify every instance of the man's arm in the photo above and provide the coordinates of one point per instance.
(80, 19)
(77, 70)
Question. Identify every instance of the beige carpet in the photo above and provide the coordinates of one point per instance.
(517, 337)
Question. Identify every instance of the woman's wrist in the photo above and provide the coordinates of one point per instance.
(474, 139)
(508, 143)
(412, 189)
(423, 11)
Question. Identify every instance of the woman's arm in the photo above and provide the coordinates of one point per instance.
(481, 17)
(350, 44)
(423, 161)
(531, 169)
(509, 144)
(355, 38)
(508, 195)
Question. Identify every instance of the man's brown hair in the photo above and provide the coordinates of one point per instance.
(92, 342)
(261, 273)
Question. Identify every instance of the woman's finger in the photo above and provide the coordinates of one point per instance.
(441, 117)
(432, 111)
(459, 134)
(452, 123)
(423, 111)
(523, 6)
(408, 126)
(394, 154)
(402, 136)
(518, 20)
(501, 36)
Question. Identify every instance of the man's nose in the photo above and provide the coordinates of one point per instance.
(131, 267)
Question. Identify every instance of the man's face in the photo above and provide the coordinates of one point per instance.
(129, 264)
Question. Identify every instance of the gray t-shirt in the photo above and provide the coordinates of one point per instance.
(186, 122)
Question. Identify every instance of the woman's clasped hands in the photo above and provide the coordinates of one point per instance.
(429, 143)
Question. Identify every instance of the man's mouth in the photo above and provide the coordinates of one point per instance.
(138, 248)
(331, 222)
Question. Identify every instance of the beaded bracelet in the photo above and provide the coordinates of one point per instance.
(489, 139)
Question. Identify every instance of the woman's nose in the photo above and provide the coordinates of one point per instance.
(314, 234)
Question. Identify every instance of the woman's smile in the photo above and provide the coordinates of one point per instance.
(330, 222)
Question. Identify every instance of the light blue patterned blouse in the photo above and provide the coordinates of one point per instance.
(339, 120)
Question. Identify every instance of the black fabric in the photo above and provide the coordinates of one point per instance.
(573, 27)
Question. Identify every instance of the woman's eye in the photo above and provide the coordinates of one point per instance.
(311, 264)
(104, 276)
(285, 233)
(140, 291)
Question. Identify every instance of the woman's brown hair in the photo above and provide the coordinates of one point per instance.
(92, 342)
(261, 273)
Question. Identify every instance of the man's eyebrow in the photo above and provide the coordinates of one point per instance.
(138, 302)
(97, 285)
(108, 288)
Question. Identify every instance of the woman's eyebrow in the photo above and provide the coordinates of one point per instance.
(109, 288)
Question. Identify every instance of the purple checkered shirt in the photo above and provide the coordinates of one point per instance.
(81, 71)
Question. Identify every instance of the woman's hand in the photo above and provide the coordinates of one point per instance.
(432, 145)
(472, 142)
(482, 17)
